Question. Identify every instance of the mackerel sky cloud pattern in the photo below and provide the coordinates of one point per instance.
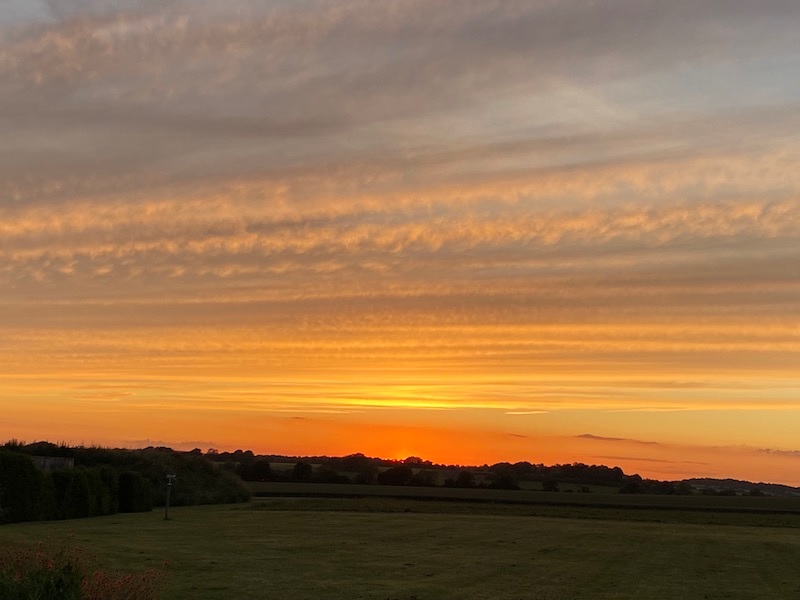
(406, 222)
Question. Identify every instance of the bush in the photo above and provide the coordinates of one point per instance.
(60, 572)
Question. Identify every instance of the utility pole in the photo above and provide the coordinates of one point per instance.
(170, 479)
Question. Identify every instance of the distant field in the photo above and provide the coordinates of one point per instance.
(388, 549)
(671, 514)
(696, 502)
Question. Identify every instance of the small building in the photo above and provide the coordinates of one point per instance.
(53, 463)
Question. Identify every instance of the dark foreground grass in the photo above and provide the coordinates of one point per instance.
(290, 552)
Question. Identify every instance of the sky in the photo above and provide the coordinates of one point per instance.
(472, 231)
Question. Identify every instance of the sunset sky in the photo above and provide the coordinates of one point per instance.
(472, 231)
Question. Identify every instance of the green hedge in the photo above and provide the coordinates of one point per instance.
(105, 481)
(73, 494)
(135, 494)
(25, 494)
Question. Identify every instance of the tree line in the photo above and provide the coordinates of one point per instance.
(414, 471)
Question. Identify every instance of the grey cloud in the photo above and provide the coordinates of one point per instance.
(589, 436)
(600, 438)
(774, 452)
(25, 12)
(170, 444)
(209, 156)
(166, 90)
(529, 266)
(655, 460)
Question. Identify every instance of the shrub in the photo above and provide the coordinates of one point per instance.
(60, 572)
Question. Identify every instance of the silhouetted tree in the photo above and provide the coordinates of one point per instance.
(326, 474)
(259, 470)
(464, 479)
(522, 469)
(665, 487)
(550, 485)
(504, 481)
(399, 475)
(365, 468)
(633, 485)
(302, 471)
(424, 477)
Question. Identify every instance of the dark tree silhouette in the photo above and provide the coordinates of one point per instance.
(550, 485)
(302, 471)
(400, 475)
(465, 479)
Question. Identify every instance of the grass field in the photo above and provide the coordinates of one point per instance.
(379, 548)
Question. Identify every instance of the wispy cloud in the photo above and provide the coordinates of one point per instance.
(789, 453)
(600, 438)
(177, 445)
(654, 460)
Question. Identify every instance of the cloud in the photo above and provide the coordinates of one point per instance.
(599, 438)
(655, 460)
(408, 251)
(774, 452)
(178, 445)
(111, 100)
(589, 436)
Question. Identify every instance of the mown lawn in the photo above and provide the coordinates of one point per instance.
(292, 549)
